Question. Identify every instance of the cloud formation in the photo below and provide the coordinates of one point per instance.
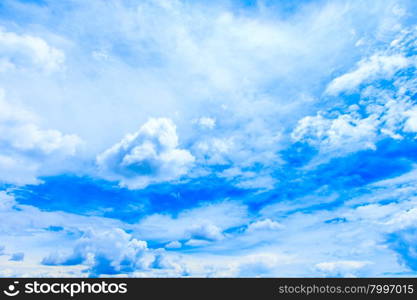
(267, 129)
(105, 252)
(150, 155)
(24, 144)
(22, 51)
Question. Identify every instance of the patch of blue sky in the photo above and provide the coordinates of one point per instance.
(83, 195)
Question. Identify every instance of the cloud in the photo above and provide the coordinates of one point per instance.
(173, 245)
(245, 87)
(380, 106)
(377, 66)
(411, 120)
(20, 132)
(150, 155)
(6, 201)
(264, 225)
(24, 144)
(205, 232)
(403, 243)
(248, 179)
(344, 134)
(206, 122)
(126, 254)
(208, 221)
(27, 51)
(341, 268)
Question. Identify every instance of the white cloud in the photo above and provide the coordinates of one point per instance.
(6, 201)
(215, 151)
(377, 66)
(264, 225)
(265, 182)
(206, 122)
(126, 254)
(150, 155)
(26, 51)
(341, 268)
(380, 111)
(25, 145)
(197, 243)
(248, 179)
(171, 67)
(207, 221)
(343, 134)
(238, 69)
(18, 130)
(411, 121)
(173, 245)
(205, 232)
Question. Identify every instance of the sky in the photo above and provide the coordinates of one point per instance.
(183, 138)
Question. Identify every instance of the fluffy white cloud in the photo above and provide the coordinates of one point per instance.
(377, 66)
(26, 51)
(19, 131)
(236, 69)
(105, 252)
(25, 145)
(264, 225)
(344, 133)
(205, 232)
(148, 156)
(411, 121)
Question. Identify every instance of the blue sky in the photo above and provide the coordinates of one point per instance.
(208, 138)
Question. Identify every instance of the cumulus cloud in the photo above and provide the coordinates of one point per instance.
(27, 51)
(19, 131)
(150, 155)
(24, 144)
(344, 133)
(105, 252)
